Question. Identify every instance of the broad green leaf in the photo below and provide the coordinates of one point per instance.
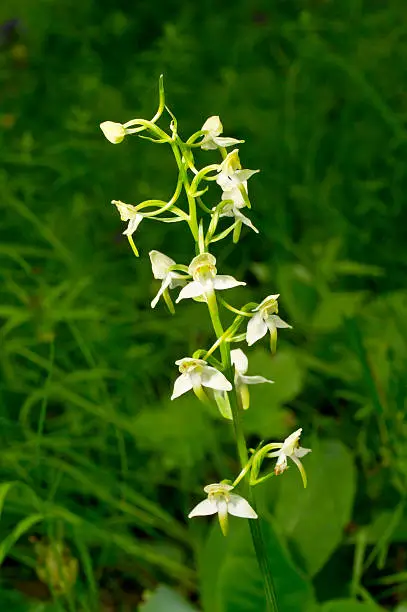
(266, 416)
(180, 431)
(165, 599)
(231, 580)
(349, 605)
(334, 308)
(314, 519)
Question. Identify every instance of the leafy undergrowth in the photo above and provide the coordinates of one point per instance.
(98, 468)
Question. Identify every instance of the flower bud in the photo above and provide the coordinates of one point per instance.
(114, 132)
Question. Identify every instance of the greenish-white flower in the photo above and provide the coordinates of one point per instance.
(129, 213)
(241, 363)
(231, 176)
(291, 449)
(114, 132)
(222, 502)
(265, 319)
(161, 265)
(195, 374)
(212, 139)
(205, 278)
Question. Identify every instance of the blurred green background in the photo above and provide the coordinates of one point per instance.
(98, 468)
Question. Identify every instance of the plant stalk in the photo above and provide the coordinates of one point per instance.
(255, 530)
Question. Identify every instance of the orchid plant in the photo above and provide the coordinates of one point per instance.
(220, 381)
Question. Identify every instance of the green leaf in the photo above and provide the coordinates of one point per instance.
(266, 416)
(180, 431)
(4, 489)
(334, 308)
(349, 605)
(165, 599)
(22, 527)
(231, 580)
(314, 519)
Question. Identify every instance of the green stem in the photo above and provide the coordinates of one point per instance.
(257, 538)
(193, 221)
(255, 529)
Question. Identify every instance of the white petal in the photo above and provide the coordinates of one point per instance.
(190, 361)
(221, 141)
(204, 508)
(239, 360)
(133, 225)
(244, 175)
(267, 299)
(238, 506)
(166, 283)
(191, 290)
(291, 441)
(208, 143)
(254, 380)
(236, 197)
(218, 487)
(176, 281)
(212, 378)
(256, 329)
(181, 385)
(224, 281)
(245, 220)
(279, 322)
(204, 259)
(160, 264)
(127, 211)
(225, 182)
(301, 452)
(276, 453)
(213, 125)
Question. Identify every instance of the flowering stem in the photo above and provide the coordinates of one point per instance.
(255, 530)
(192, 220)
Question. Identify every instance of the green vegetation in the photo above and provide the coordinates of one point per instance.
(98, 468)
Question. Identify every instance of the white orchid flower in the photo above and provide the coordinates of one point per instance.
(265, 320)
(232, 209)
(212, 139)
(231, 176)
(195, 374)
(205, 278)
(241, 363)
(114, 132)
(129, 213)
(290, 448)
(222, 502)
(161, 265)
